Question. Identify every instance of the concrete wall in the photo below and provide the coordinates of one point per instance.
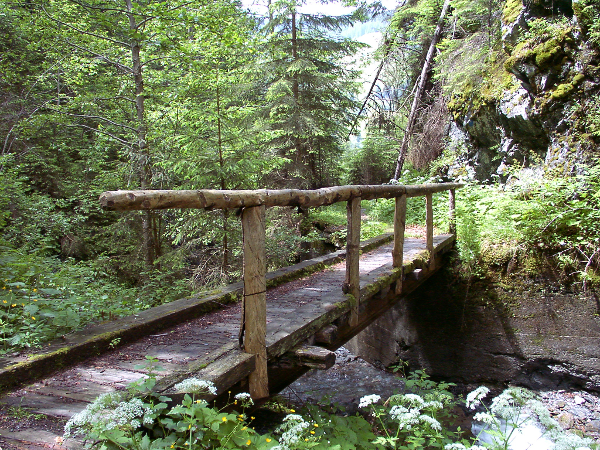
(535, 339)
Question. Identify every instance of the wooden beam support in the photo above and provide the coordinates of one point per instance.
(327, 335)
(235, 199)
(312, 356)
(399, 226)
(254, 321)
(352, 283)
(429, 220)
(452, 211)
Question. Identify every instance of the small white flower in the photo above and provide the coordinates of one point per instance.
(242, 396)
(483, 417)
(196, 386)
(454, 446)
(414, 399)
(433, 423)
(293, 418)
(474, 397)
(368, 400)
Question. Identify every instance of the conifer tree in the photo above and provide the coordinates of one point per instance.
(310, 91)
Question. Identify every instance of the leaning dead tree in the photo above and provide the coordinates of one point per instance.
(419, 92)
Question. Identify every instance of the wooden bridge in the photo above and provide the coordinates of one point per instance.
(258, 345)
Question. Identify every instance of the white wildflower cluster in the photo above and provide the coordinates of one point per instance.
(110, 411)
(433, 423)
(410, 411)
(474, 398)
(244, 398)
(459, 446)
(293, 427)
(434, 405)
(484, 417)
(196, 386)
(454, 446)
(368, 400)
(413, 399)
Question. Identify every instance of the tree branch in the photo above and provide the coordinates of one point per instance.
(85, 116)
(98, 55)
(122, 141)
(88, 33)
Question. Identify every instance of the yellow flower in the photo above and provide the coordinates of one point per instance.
(3, 287)
(235, 402)
(13, 305)
(189, 426)
(32, 318)
(198, 401)
(315, 424)
(249, 442)
(224, 419)
(244, 428)
(35, 290)
(292, 410)
(306, 439)
(252, 417)
(268, 440)
(35, 299)
(4, 301)
(172, 445)
(312, 432)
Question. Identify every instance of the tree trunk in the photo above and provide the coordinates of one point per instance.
(419, 93)
(142, 143)
(225, 260)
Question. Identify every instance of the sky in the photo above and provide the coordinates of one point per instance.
(315, 7)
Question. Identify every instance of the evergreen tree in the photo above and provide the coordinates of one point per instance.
(310, 91)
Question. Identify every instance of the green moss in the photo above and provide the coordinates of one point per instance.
(563, 90)
(511, 10)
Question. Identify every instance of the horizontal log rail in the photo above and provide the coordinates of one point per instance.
(253, 204)
(227, 199)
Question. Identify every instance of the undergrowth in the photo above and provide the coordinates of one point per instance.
(423, 417)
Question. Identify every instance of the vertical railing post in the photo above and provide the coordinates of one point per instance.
(429, 221)
(452, 211)
(255, 300)
(352, 257)
(399, 226)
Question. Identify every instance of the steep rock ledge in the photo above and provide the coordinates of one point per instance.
(541, 92)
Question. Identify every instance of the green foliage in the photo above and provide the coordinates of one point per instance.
(588, 16)
(423, 418)
(556, 217)
(309, 93)
(372, 162)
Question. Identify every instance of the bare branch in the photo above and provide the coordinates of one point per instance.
(112, 136)
(88, 33)
(104, 58)
(85, 116)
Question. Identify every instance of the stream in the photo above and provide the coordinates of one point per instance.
(352, 378)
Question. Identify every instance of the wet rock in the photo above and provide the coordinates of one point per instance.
(593, 426)
(566, 420)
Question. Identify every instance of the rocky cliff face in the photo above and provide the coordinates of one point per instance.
(546, 111)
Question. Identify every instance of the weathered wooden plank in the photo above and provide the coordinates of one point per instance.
(312, 356)
(352, 282)
(231, 199)
(429, 220)
(255, 297)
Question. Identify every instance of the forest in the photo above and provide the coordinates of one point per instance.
(101, 95)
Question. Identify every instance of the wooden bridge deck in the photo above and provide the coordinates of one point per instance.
(208, 346)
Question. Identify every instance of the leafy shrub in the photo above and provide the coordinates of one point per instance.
(422, 418)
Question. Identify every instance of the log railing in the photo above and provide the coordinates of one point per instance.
(253, 204)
